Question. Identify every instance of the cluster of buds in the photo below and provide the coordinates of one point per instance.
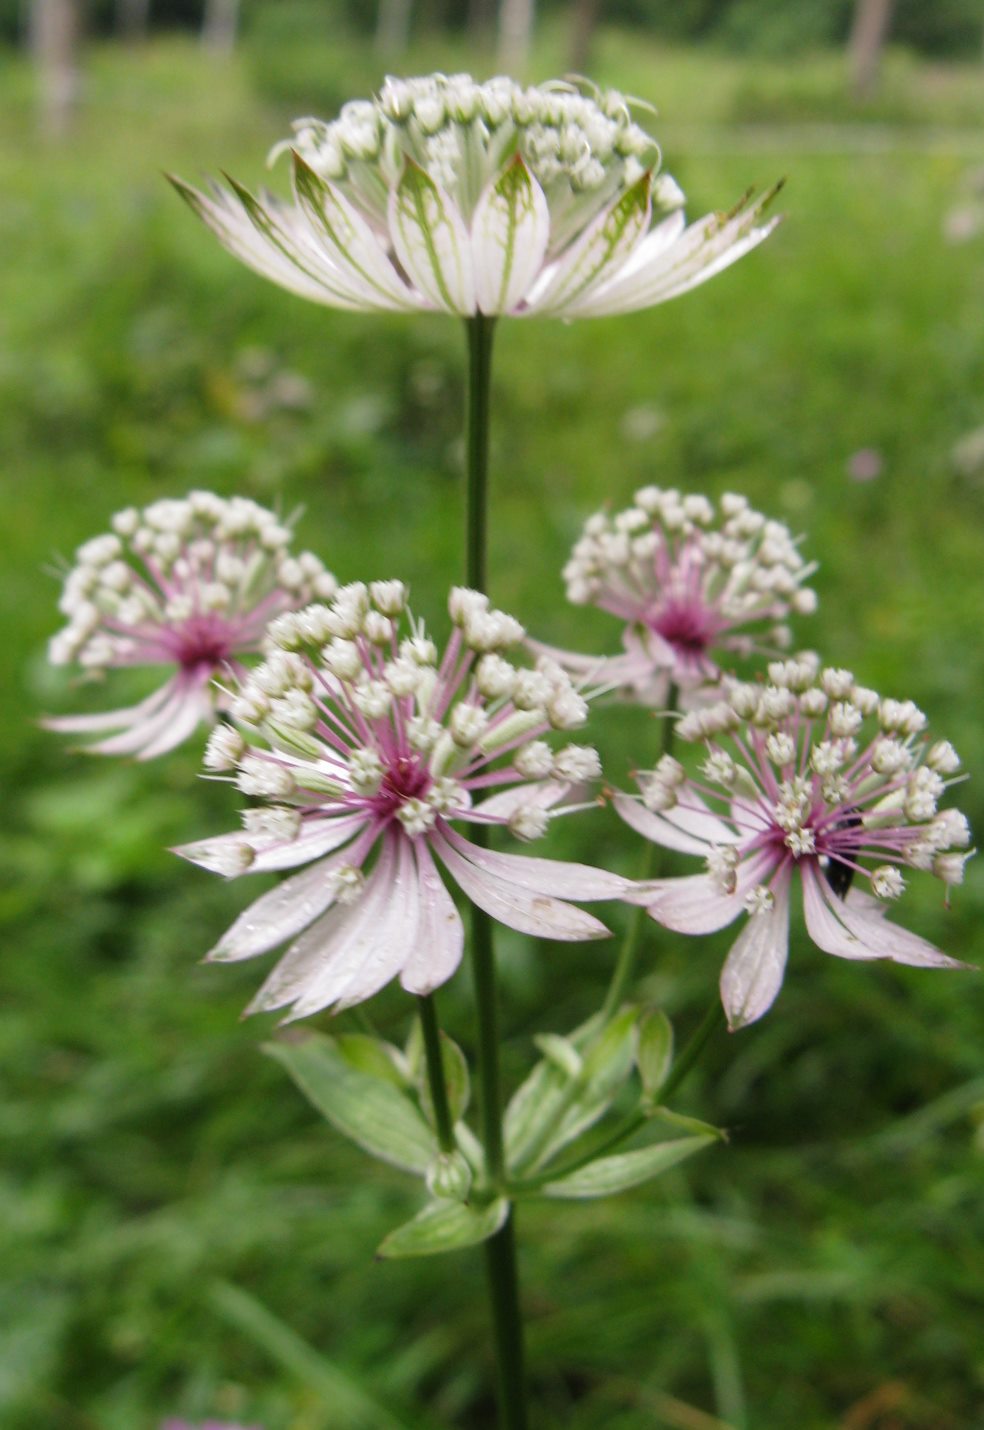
(580, 146)
(696, 584)
(359, 738)
(188, 584)
(819, 777)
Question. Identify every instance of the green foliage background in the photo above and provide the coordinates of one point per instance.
(826, 1268)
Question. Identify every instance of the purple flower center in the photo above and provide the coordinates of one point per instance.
(687, 626)
(203, 641)
(406, 778)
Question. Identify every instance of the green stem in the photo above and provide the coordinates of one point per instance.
(651, 863)
(430, 1028)
(480, 334)
(500, 1250)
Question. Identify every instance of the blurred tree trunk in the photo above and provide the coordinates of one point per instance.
(584, 25)
(392, 28)
(220, 25)
(869, 31)
(131, 19)
(56, 40)
(515, 34)
(481, 19)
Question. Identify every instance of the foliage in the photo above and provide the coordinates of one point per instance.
(153, 1158)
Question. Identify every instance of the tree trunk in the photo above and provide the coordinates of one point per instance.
(481, 22)
(584, 24)
(515, 35)
(56, 39)
(131, 19)
(220, 24)
(869, 31)
(392, 28)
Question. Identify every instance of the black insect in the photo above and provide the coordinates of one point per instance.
(840, 876)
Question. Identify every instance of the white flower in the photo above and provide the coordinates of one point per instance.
(368, 803)
(448, 195)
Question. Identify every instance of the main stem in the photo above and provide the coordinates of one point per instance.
(500, 1250)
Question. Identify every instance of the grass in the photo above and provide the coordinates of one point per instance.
(178, 1234)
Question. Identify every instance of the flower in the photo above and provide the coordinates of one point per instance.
(448, 195)
(188, 584)
(363, 746)
(815, 775)
(688, 579)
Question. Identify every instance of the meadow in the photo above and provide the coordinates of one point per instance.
(178, 1232)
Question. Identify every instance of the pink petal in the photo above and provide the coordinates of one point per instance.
(541, 794)
(692, 831)
(317, 837)
(848, 931)
(753, 971)
(543, 876)
(440, 935)
(694, 904)
(516, 907)
(172, 723)
(111, 719)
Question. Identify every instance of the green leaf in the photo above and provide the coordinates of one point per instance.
(372, 1112)
(456, 1080)
(374, 1057)
(654, 1055)
(444, 1226)
(552, 1108)
(627, 1169)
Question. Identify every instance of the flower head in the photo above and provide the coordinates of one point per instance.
(450, 195)
(363, 747)
(186, 584)
(818, 779)
(695, 583)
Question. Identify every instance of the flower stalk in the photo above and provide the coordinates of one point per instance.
(500, 1250)
(430, 1028)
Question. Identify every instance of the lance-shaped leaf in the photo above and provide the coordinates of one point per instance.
(444, 1226)
(627, 1169)
(510, 230)
(431, 241)
(553, 1106)
(372, 1112)
(654, 1054)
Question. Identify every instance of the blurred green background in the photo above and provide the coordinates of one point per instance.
(178, 1233)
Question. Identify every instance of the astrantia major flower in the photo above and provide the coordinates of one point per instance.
(695, 583)
(449, 195)
(363, 747)
(186, 584)
(820, 781)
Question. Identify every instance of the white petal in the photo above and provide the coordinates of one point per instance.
(432, 242)
(510, 229)
(440, 933)
(317, 837)
(111, 719)
(275, 241)
(164, 729)
(665, 271)
(604, 246)
(541, 794)
(353, 244)
(543, 876)
(276, 916)
(517, 908)
(848, 931)
(753, 971)
(692, 831)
